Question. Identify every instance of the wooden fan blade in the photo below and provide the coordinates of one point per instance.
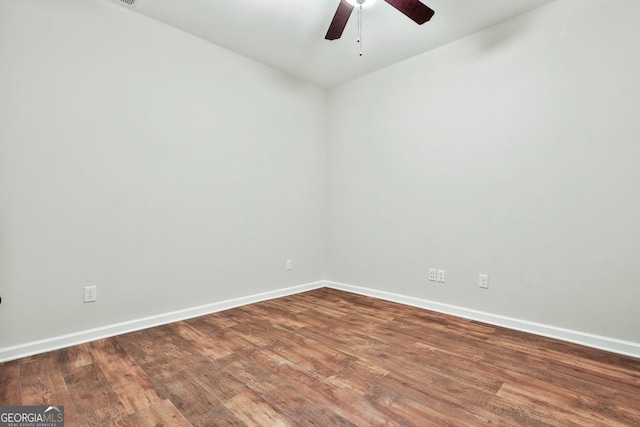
(339, 21)
(415, 10)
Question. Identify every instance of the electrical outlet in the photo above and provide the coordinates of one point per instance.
(90, 294)
(441, 276)
(432, 274)
(483, 281)
(289, 264)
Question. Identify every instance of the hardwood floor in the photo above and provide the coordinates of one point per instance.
(328, 358)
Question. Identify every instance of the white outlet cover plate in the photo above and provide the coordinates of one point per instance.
(483, 281)
(90, 293)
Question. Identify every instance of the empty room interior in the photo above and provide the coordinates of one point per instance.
(211, 214)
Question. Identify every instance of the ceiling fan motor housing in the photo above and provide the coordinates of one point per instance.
(413, 9)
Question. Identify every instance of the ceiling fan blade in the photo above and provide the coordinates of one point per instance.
(339, 21)
(415, 10)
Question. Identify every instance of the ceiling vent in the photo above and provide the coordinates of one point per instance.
(129, 2)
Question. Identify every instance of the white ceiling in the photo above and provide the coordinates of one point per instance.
(289, 34)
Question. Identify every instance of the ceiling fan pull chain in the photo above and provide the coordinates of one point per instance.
(360, 28)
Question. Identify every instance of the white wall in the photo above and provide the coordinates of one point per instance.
(172, 173)
(513, 152)
(166, 171)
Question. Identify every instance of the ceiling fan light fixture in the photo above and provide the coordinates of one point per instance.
(358, 3)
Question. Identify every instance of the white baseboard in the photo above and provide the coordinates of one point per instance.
(63, 341)
(613, 345)
(627, 348)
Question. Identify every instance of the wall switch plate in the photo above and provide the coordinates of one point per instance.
(90, 294)
(432, 274)
(441, 276)
(289, 264)
(483, 281)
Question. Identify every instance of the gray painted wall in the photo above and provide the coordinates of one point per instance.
(168, 172)
(514, 152)
(172, 173)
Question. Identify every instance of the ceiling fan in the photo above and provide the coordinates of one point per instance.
(413, 9)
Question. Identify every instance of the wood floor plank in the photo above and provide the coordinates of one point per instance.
(194, 383)
(10, 390)
(74, 357)
(557, 405)
(340, 400)
(277, 393)
(130, 384)
(252, 410)
(159, 415)
(223, 319)
(217, 415)
(159, 349)
(91, 394)
(42, 382)
(426, 370)
(330, 358)
(414, 354)
(278, 318)
(601, 387)
(259, 333)
(222, 341)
